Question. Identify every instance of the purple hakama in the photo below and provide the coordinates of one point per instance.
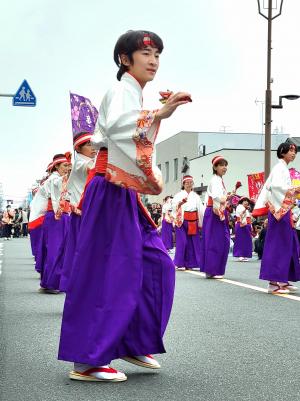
(35, 236)
(71, 241)
(215, 243)
(41, 251)
(54, 237)
(187, 247)
(167, 234)
(243, 241)
(122, 281)
(280, 261)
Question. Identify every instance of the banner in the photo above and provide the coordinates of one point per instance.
(83, 114)
(255, 184)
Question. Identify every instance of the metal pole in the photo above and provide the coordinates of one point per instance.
(268, 104)
(5, 95)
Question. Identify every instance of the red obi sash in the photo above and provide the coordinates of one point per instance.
(36, 223)
(49, 206)
(209, 202)
(192, 219)
(101, 161)
(100, 168)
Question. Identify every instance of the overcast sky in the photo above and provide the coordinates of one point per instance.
(215, 49)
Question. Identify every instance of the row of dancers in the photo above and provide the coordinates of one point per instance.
(93, 239)
(280, 260)
(187, 235)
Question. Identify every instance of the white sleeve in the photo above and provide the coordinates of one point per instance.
(201, 210)
(217, 191)
(55, 190)
(280, 179)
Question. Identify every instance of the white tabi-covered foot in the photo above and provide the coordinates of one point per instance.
(276, 288)
(180, 268)
(145, 361)
(213, 277)
(288, 286)
(96, 374)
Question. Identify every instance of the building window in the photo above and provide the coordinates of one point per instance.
(175, 169)
(167, 171)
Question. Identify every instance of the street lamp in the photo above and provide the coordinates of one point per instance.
(268, 102)
(288, 97)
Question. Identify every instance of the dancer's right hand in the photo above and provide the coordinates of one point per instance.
(174, 100)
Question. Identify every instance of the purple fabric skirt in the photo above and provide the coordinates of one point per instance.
(280, 260)
(243, 241)
(122, 281)
(71, 240)
(187, 252)
(35, 237)
(215, 243)
(54, 238)
(167, 234)
(41, 251)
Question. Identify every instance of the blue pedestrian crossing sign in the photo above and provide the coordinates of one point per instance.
(24, 96)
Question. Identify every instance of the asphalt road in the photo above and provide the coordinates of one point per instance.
(224, 342)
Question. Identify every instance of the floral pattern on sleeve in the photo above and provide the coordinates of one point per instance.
(143, 137)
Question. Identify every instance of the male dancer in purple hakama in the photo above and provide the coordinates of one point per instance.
(215, 234)
(122, 280)
(280, 260)
(188, 211)
(242, 248)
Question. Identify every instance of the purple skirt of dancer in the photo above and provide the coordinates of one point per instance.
(71, 240)
(122, 281)
(280, 260)
(54, 238)
(35, 237)
(167, 234)
(215, 243)
(41, 251)
(187, 252)
(243, 241)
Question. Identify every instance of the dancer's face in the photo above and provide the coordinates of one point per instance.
(221, 168)
(245, 203)
(63, 168)
(145, 64)
(188, 185)
(87, 150)
(289, 156)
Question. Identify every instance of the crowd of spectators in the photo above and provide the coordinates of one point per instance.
(14, 223)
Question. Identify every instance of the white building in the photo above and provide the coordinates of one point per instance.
(191, 153)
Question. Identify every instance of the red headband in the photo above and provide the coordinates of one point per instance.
(216, 159)
(187, 178)
(82, 139)
(63, 159)
(59, 160)
(148, 41)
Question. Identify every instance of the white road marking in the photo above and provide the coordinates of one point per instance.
(239, 284)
